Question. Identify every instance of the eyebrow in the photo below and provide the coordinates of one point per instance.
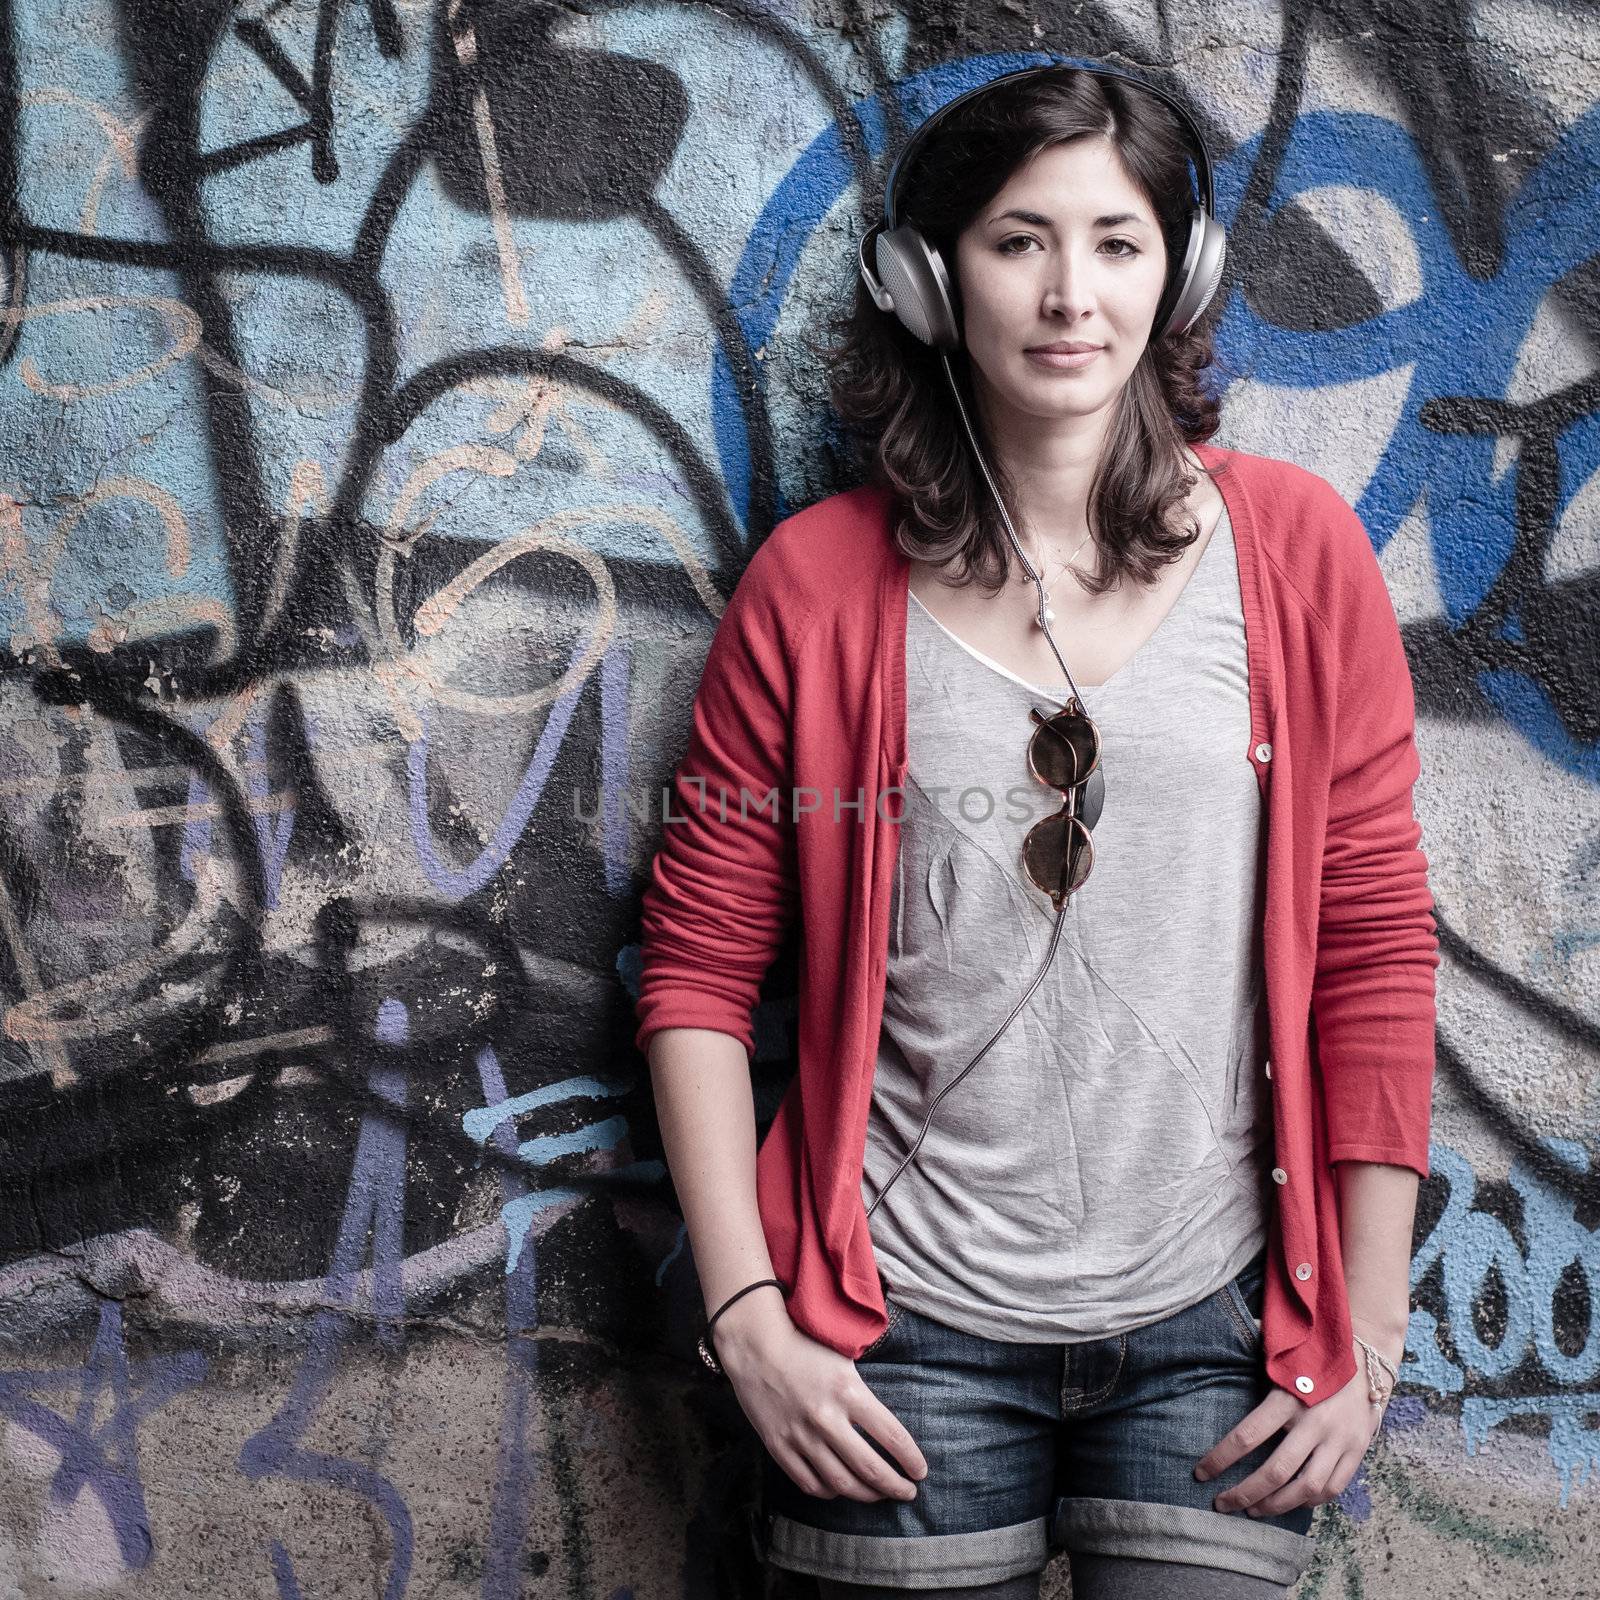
(1116, 220)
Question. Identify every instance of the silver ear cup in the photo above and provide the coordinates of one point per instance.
(880, 295)
(918, 285)
(1201, 273)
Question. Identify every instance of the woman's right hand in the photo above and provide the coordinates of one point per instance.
(803, 1398)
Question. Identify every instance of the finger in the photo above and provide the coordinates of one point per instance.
(1349, 1465)
(884, 1426)
(834, 1462)
(1270, 1476)
(829, 1473)
(1254, 1428)
(1308, 1487)
(799, 1471)
(858, 1454)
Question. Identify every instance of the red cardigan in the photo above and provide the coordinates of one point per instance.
(802, 704)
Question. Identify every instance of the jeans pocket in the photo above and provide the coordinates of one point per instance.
(894, 1308)
(1242, 1296)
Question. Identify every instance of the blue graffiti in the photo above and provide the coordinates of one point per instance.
(1460, 336)
(1574, 1448)
(1468, 1245)
(514, 1478)
(494, 1124)
(814, 184)
(484, 1122)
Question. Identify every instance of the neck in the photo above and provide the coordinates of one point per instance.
(1051, 463)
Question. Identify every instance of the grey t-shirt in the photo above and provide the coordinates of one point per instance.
(1106, 1163)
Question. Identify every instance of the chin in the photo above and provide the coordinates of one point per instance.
(1048, 396)
(1054, 398)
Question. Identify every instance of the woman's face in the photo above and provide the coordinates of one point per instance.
(1068, 251)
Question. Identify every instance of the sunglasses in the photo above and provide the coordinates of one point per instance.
(1064, 754)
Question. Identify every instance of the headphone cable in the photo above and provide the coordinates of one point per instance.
(1061, 914)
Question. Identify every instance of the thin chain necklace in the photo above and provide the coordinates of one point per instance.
(1049, 614)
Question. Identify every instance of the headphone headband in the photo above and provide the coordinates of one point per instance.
(1207, 192)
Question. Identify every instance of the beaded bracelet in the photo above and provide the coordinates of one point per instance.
(1376, 1393)
(703, 1344)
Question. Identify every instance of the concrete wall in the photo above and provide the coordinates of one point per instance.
(390, 396)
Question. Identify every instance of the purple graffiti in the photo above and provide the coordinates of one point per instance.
(272, 834)
(457, 883)
(615, 671)
(516, 1475)
(103, 1459)
(374, 1201)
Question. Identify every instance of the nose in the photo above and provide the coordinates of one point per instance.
(1067, 292)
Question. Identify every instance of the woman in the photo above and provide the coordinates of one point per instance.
(1133, 1282)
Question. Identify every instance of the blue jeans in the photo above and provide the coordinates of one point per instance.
(1032, 1448)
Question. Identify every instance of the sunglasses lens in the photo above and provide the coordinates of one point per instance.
(1058, 854)
(1064, 749)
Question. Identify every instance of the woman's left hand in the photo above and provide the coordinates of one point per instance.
(1321, 1448)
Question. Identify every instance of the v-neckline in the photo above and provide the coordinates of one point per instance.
(1060, 691)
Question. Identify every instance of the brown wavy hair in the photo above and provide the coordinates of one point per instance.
(900, 423)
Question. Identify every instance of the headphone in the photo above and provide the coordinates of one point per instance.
(912, 280)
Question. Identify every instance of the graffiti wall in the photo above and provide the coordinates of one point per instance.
(390, 396)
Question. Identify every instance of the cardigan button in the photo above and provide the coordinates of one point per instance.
(1304, 1385)
(1269, 1069)
(1279, 1175)
(1263, 752)
(1303, 1271)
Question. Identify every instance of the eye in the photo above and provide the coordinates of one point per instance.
(1131, 249)
(1014, 239)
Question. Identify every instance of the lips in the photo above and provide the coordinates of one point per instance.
(1063, 360)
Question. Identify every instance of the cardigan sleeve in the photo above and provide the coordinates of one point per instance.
(1373, 996)
(723, 882)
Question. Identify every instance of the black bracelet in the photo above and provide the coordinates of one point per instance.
(703, 1344)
